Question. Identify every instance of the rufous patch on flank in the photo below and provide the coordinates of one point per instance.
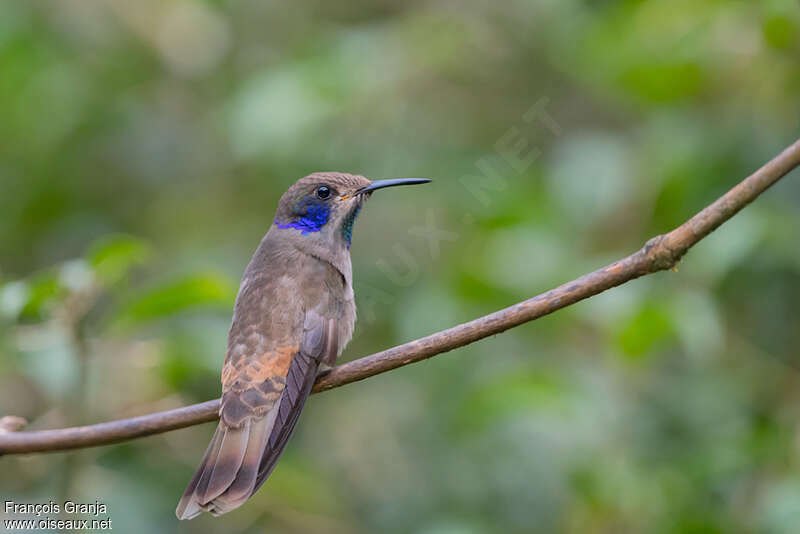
(275, 363)
(247, 372)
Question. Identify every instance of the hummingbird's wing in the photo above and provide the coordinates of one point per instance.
(261, 402)
(320, 344)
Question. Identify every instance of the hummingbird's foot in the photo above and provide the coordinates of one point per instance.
(324, 369)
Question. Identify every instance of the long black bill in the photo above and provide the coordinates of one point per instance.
(380, 184)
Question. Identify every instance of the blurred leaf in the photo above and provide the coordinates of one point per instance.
(202, 291)
(296, 484)
(113, 257)
(664, 81)
(43, 291)
(780, 31)
(182, 366)
(649, 327)
(510, 394)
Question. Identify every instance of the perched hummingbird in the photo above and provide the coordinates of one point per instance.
(294, 313)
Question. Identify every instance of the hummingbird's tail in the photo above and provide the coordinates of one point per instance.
(227, 475)
(240, 458)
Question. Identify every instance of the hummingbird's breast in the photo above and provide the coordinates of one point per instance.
(280, 285)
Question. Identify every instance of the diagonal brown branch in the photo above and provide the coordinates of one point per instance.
(659, 253)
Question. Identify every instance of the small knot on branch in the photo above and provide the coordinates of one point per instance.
(660, 255)
(12, 423)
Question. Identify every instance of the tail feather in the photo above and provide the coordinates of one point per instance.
(233, 452)
(244, 485)
(228, 460)
(188, 506)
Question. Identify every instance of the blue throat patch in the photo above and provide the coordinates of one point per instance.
(315, 217)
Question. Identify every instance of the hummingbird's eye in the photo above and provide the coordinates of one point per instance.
(324, 192)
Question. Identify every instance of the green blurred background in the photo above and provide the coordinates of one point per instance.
(144, 146)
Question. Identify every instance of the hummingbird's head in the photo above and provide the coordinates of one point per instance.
(324, 205)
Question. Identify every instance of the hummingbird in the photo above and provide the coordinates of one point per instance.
(294, 313)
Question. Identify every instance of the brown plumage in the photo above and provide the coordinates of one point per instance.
(295, 312)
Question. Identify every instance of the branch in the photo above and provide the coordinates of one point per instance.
(659, 253)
